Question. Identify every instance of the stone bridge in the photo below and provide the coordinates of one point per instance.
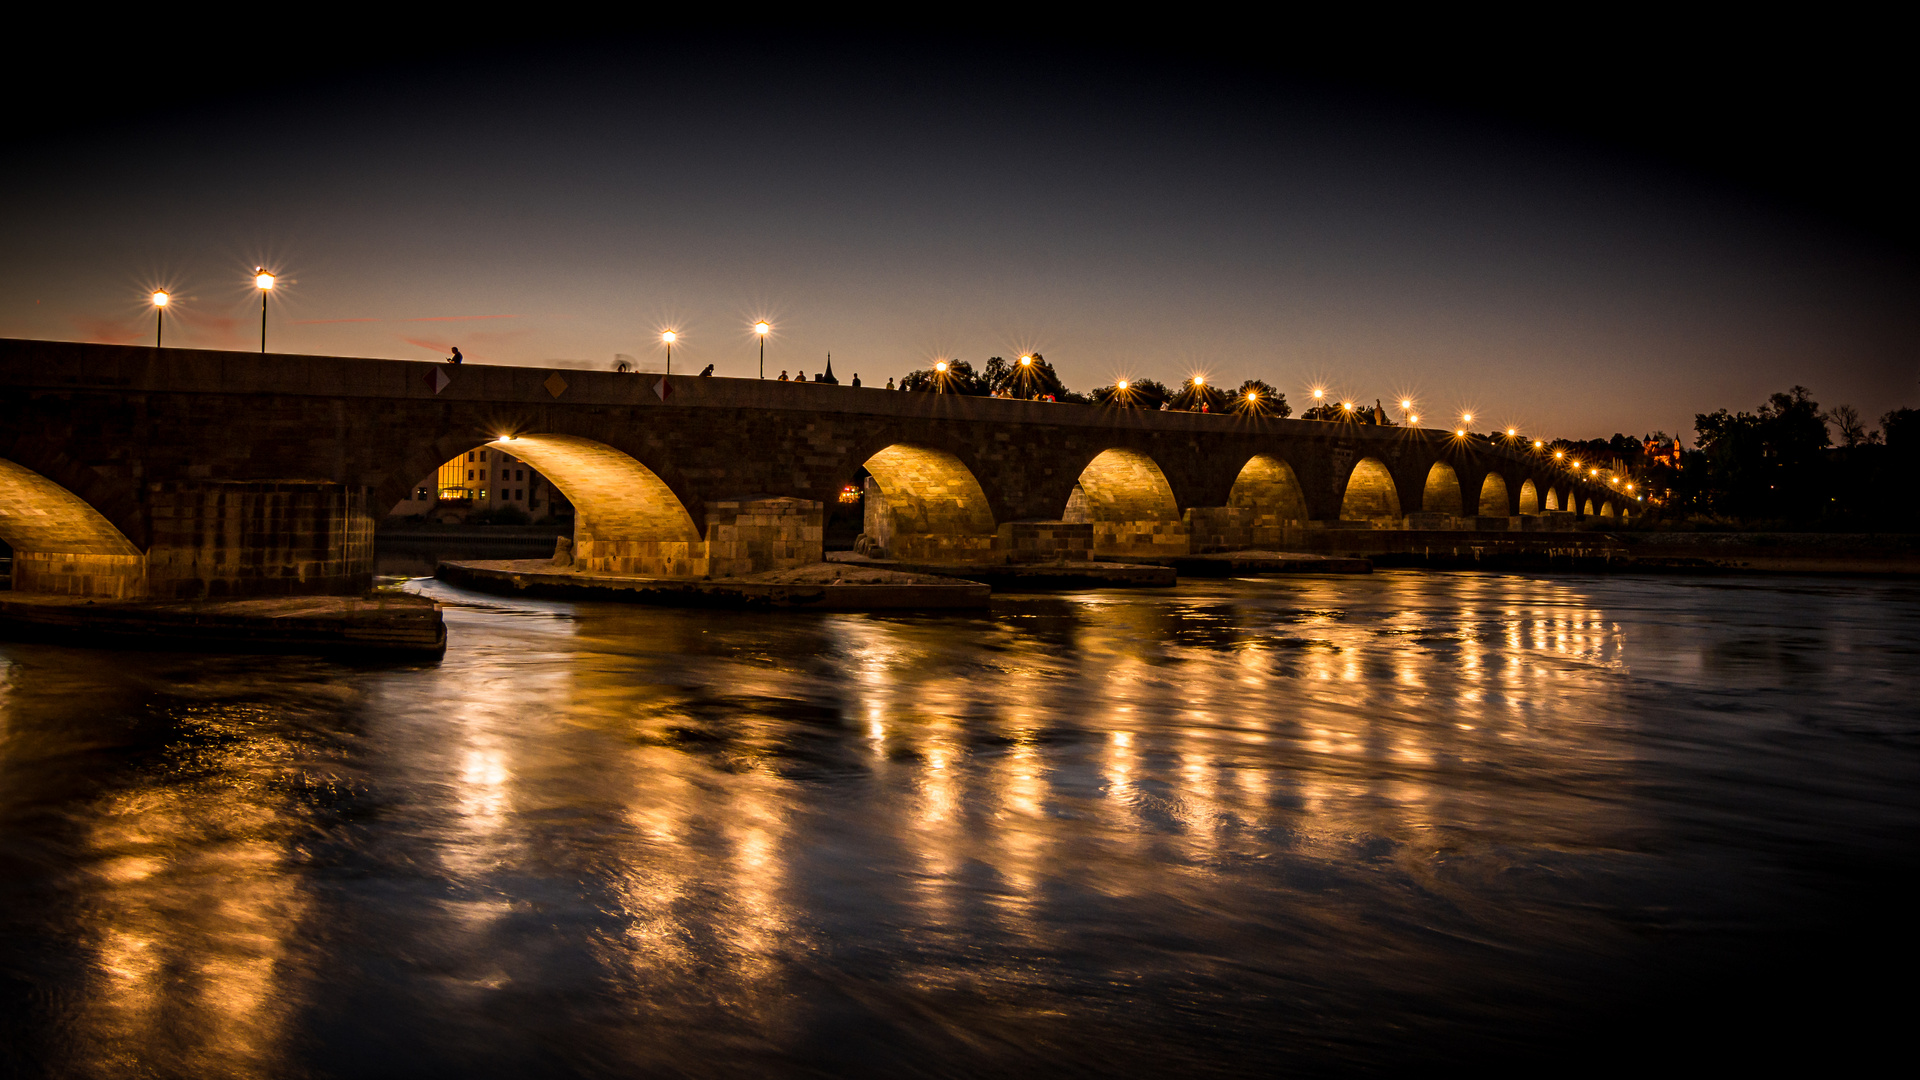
(131, 471)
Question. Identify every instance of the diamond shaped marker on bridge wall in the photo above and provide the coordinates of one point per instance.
(555, 384)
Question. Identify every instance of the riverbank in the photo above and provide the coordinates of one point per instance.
(819, 587)
(1022, 577)
(385, 624)
(1870, 554)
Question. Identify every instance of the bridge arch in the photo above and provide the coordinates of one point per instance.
(1586, 506)
(1127, 497)
(60, 543)
(1529, 497)
(626, 519)
(930, 505)
(1493, 496)
(1606, 509)
(1442, 494)
(1370, 493)
(1553, 499)
(1268, 486)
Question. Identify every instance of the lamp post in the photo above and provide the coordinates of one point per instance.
(761, 328)
(160, 301)
(264, 282)
(669, 337)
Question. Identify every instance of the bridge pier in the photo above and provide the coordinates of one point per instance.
(209, 539)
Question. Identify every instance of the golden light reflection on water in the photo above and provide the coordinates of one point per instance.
(705, 809)
(193, 913)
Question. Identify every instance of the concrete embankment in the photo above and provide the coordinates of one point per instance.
(1026, 577)
(1257, 563)
(818, 587)
(391, 624)
(1641, 552)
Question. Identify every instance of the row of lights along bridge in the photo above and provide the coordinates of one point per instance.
(264, 281)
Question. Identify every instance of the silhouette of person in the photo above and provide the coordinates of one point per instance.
(856, 380)
(783, 376)
(456, 357)
(800, 376)
(707, 372)
(890, 382)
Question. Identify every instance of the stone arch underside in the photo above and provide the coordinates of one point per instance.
(1606, 509)
(62, 545)
(1265, 500)
(1493, 496)
(1554, 501)
(1586, 507)
(924, 503)
(1442, 494)
(1370, 494)
(1127, 498)
(1529, 497)
(626, 520)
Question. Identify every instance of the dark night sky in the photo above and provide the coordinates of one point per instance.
(1572, 256)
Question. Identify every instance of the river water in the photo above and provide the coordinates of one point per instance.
(1313, 824)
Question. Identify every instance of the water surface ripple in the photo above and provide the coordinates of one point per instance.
(1332, 824)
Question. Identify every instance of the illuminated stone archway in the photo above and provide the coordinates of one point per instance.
(1131, 505)
(1529, 498)
(1606, 509)
(924, 503)
(1586, 507)
(1493, 496)
(1553, 500)
(626, 520)
(1265, 500)
(1442, 495)
(1370, 493)
(61, 544)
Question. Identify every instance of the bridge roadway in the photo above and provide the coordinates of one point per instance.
(132, 471)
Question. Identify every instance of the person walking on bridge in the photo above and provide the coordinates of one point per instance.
(456, 357)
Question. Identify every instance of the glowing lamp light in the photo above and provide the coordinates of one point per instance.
(1413, 419)
(1466, 418)
(1406, 403)
(762, 328)
(1253, 395)
(1460, 432)
(1026, 361)
(1537, 444)
(1511, 433)
(1121, 385)
(1199, 380)
(262, 280)
(669, 337)
(1346, 406)
(941, 367)
(1318, 393)
(161, 299)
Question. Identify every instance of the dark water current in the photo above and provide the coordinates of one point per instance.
(1241, 828)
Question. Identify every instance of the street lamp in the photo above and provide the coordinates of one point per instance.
(761, 328)
(160, 301)
(670, 337)
(264, 282)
